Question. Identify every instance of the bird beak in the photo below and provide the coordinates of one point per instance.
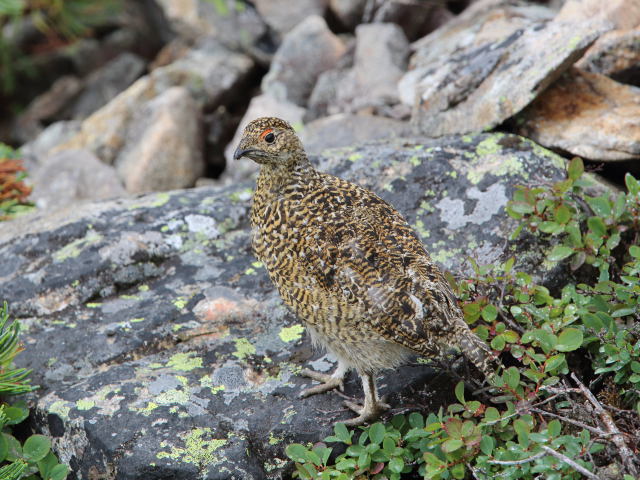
(241, 152)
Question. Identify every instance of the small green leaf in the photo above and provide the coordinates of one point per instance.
(554, 362)
(459, 391)
(296, 452)
(498, 342)
(376, 433)
(396, 465)
(562, 214)
(416, 420)
(511, 377)
(452, 444)
(569, 339)
(554, 428)
(59, 472)
(487, 444)
(632, 184)
(36, 448)
(634, 251)
(601, 206)
(559, 252)
(489, 313)
(597, 226)
(342, 433)
(575, 169)
(4, 448)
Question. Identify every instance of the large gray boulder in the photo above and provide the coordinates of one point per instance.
(159, 342)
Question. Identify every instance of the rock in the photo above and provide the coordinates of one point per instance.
(416, 19)
(484, 21)
(163, 148)
(380, 60)
(481, 87)
(348, 12)
(586, 114)
(46, 107)
(260, 106)
(370, 85)
(210, 71)
(163, 350)
(74, 176)
(236, 24)
(283, 15)
(342, 130)
(306, 51)
(55, 134)
(106, 83)
(619, 14)
(615, 54)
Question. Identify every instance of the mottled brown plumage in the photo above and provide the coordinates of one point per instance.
(349, 266)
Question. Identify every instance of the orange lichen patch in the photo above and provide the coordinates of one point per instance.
(216, 314)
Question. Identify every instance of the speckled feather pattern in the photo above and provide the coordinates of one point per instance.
(347, 263)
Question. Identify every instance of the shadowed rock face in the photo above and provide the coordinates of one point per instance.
(160, 345)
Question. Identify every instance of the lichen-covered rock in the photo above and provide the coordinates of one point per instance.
(480, 87)
(586, 114)
(163, 350)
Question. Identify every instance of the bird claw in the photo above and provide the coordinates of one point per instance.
(327, 382)
(366, 413)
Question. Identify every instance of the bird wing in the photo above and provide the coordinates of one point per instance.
(369, 259)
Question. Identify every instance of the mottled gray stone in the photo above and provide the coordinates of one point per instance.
(74, 176)
(173, 354)
(163, 148)
(283, 15)
(342, 129)
(306, 51)
(481, 87)
(615, 54)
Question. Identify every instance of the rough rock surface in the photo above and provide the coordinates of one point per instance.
(160, 345)
(586, 114)
(284, 15)
(474, 90)
(306, 51)
(343, 129)
(106, 83)
(210, 71)
(74, 176)
(163, 150)
(617, 55)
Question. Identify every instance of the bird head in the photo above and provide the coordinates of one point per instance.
(269, 141)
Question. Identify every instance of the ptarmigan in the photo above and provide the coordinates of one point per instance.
(350, 267)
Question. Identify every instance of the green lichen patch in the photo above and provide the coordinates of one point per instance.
(75, 248)
(244, 348)
(158, 200)
(292, 333)
(60, 408)
(185, 361)
(85, 404)
(199, 448)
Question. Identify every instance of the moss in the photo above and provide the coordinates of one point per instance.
(244, 348)
(184, 362)
(85, 404)
(198, 450)
(73, 249)
(292, 333)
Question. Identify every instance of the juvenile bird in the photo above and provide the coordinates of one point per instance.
(350, 267)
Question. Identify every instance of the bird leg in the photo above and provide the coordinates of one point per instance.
(327, 382)
(373, 405)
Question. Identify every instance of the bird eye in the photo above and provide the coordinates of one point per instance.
(270, 138)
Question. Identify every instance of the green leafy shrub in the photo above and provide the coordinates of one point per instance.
(541, 420)
(32, 459)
